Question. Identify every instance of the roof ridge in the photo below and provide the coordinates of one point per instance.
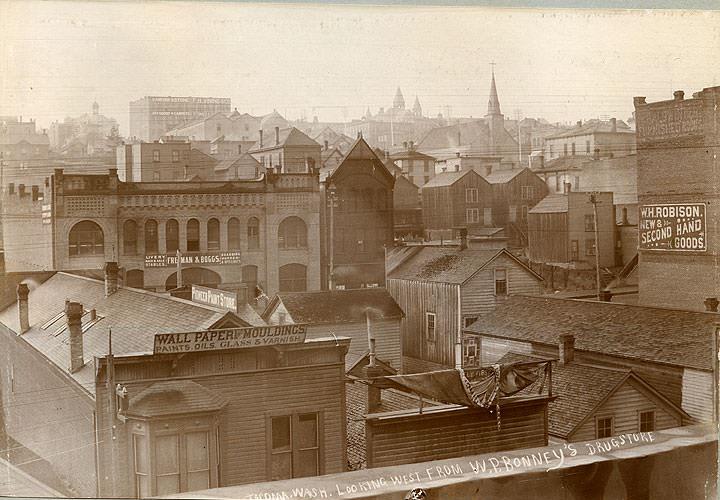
(617, 304)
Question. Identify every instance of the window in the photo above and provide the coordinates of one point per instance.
(167, 464)
(293, 278)
(513, 213)
(565, 149)
(151, 236)
(471, 195)
(142, 471)
(501, 284)
(574, 250)
(577, 183)
(292, 233)
(430, 326)
(156, 176)
(193, 235)
(469, 320)
(129, 237)
(470, 351)
(295, 446)
(589, 222)
(487, 216)
(587, 147)
(603, 427)
(156, 155)
(86, 238)
(233, 234)
(590, 247)
(186, 155)
(647, 421)
(175, 156)
(172, 236)
(213, 234)
(472, 215)
(573, 149)
(527, 192)
(253, 233)
(524, 212)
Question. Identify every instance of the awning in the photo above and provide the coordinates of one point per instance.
(174, 397)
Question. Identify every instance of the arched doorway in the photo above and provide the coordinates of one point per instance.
(135, 278)
(194, 276)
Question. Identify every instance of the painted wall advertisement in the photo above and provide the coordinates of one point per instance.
(204, 258)
(678, 227)
(214, 297)
(229, 338)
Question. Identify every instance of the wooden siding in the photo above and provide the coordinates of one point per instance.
(697, 394)
(415, 365)
(416, 298)
(478, 293)
(444, 206)
(625, 406)
(387, 339)
(453, 433)
(548, 238)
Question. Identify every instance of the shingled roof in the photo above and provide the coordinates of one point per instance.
(337, 306)
(551, 204)
(668, 336)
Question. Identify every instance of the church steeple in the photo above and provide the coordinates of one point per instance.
(399, 101)
(493, 102)
(417, 109)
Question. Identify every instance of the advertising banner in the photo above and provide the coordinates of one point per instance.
(678, 227)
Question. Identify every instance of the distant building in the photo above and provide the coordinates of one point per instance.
(233, 126)
(287, 149)
(679, 200)
(561, 230)
(592, 138)
(24, 152)
(357, 219)
(90, 134)
(407, 209)
(262, 235)
(162, 161)
(132, 420)
(445, 289)
(417, 167)
(151, 117)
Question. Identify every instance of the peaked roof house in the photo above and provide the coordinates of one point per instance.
(289, 149)
(445, 289)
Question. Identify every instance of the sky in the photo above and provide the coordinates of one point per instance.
(335, 61)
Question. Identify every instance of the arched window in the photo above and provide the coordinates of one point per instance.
(172, 236)
(86, 238)
(233, 232)
(293, 278)
(151, 236)
(213, 234)
(292, 233)
(253, 232)
(129, 237)
(194, 276)
(193, 235)
(135, 278)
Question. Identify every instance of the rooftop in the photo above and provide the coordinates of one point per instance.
(552, 203)
(446, 178)
(286, 137)
(650, 334)
(594, 127)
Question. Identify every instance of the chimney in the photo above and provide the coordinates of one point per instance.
(277, 135)
(605, 295)
(35, 193)
(542, 161)
(21, 190)
(463, 238)
(457, 168)
(326, 145)
(412, 145)
(567, 187)
(613, 124)
(711, 304)
(679, 95)
(374, 391)
(596, 154)
(405, 145)
(261, 137)
(566, 348)
(457, 154)
(579, 123)
(111, 278)
(459, 142)
(73, 313)
(23, 311)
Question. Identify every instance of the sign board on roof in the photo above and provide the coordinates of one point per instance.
(229, 338)
(203, 258)
(678, 227)
(214, 297)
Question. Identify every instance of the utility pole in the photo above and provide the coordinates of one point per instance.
(594, 201)
(179, 269)
(331, 243)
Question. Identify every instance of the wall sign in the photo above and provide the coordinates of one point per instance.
(670, 122)
(229, 338)
(214, 297)
(205, 258)
(678, 227)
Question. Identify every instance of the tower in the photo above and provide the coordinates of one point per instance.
(95, 108)
(417, 109)
(494, 118)
(399, 101)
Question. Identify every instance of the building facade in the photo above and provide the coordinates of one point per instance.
(263, 232)
(151, 117)
(594, 137)
(678, 198)
(417, 167)
(287, 149)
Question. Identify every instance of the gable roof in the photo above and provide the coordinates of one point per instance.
(475, 133)
(551, 204)
(411, 154)
(133, 315)
(286, 137)
(360, 151)
(503, 176)
(666, 336)
(336, 306)
(449, 264)
(581, 390)
(447, 178)
(229, 162)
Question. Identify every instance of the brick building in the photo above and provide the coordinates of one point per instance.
(679, 199)
(166, 160)
(263, 232)
(594, 137)
(151, 117)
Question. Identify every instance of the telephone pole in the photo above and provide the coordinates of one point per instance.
(593, 200)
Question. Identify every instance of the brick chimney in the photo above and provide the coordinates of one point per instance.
(596, 154)
(567, 187)
(73, 313)
(613, 124)
(23, 310)
(679, 95)
(711, 304)
(605, 296)
(111, 278)
(374, 391)
(463, 238)
(261, 137)
(566, 348)
(277, 135)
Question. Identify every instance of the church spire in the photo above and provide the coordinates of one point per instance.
(399, 101)
(493, 102)
(417, 109)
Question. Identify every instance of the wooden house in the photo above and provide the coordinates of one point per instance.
(669, 349)
(596, 402)
(119, 404)
(349, 313)
(457, 199)
(356, 219)
(407, 207)
(561, 230)
(444, 289)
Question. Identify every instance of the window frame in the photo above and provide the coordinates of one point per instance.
(294, 450)
(590, 250)
(427, 330)
(213, 245)
(471, 195)
(156, 155)
(654, 419)
(611, 418)
(253, 233)
(79, 239)
(130, 237)
(589, 223)
(496, 282)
